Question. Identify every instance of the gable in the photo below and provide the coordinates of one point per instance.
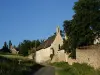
(47, 43)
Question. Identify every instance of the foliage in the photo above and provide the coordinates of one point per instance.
(86, 20)
(67, 27)
(5, 48)
(27, 46)
(60, 64)
(66, 46)
(90, 10)
(24, 47)
(84, 26)
(75, 69)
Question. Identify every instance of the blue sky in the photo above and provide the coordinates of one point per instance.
(32, 19)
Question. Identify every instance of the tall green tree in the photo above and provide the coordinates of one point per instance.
(24, 47)
(5, 45)
(87, 17)
(67, 27)
(5, 48)
(67, 30)
(84, 25)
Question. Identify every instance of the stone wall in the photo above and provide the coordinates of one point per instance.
(89, 55)
(43, 55)
(60, 57)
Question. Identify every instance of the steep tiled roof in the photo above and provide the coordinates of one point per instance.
(46, 43)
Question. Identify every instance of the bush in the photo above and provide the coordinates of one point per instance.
(60, 64)
(75, 69)
(84, 69)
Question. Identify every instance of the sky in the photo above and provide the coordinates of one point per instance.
(32, 19)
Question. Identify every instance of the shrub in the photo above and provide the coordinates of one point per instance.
(75, 69)
(60, 64)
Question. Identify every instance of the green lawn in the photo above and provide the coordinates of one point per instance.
(62, 68)
(12, 56)
(9, 65)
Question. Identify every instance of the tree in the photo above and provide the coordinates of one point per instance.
(5, 45)
(5, 48)
(87, 16)
(67, 26)
(67, 30)
(84, 25)
(94, 14)
(87, 20)
(26, 47)
(37, 43)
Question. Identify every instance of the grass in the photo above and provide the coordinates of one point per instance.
(12, 56)
(75, 69)
(9, 65)
(60, 64)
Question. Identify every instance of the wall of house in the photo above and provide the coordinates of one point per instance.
(43, 55)
(60, 56)
(57, 42)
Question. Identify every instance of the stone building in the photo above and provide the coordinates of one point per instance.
(50, 49)
(13, 50)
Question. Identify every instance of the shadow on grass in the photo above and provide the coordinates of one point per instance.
(11, 67)
(34, 69)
